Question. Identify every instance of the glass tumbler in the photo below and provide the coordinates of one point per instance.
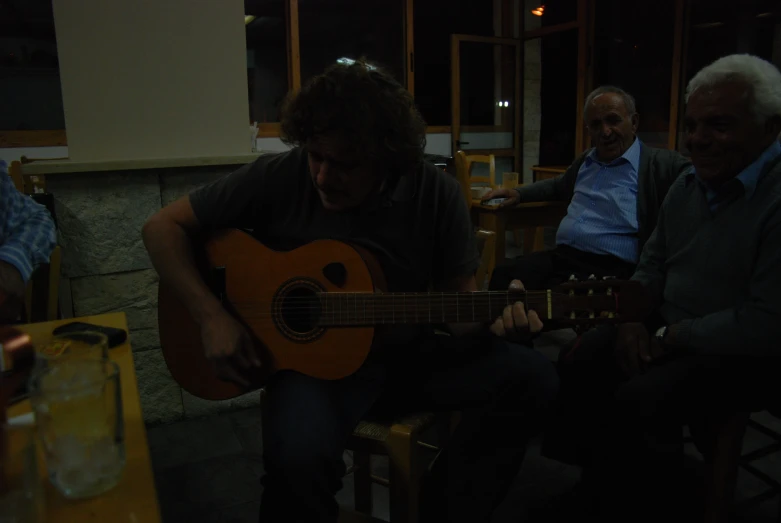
(75, 345)
(78, 410)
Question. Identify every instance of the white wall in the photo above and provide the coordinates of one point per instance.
(153, 78)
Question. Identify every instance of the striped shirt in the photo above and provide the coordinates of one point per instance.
(27, 232)
(602, 216)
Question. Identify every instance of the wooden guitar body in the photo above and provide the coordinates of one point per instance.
(255, 285)
(315, 309)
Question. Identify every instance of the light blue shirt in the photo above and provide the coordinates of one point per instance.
(602, 216)
(748, 177)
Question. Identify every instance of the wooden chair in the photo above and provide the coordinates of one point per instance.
(723, 459)
(15, 172)
(464, 164)
(43, 290)
(486, 245)
(399, 439)
(532, 235)
(487, 159)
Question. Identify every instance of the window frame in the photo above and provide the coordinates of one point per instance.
(584, 23)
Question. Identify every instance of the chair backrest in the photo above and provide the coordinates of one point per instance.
(462, 175)
(15, 172)
(464, 164)
(486, 246)
(43, 290)
(488, 159)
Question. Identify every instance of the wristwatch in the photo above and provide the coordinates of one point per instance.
(661, 332)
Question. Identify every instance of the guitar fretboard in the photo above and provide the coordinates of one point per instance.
(355, 309)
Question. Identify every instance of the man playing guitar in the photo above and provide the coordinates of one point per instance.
(356, 173)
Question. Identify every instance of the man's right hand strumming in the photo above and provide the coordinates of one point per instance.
(228, 344)
(167, 237)
(512, 197)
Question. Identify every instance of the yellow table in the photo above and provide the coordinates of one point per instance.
(134, 500)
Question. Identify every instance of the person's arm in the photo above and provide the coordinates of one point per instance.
(30, 235)
(751, 327)
(555, 189)
(650, 269)
(168, 238)
(169, 234)
(456, 256)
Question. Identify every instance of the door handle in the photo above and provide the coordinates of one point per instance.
(459, 143)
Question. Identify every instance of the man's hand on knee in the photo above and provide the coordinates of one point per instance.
(635, 348)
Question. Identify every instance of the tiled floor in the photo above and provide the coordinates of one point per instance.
(208, 470)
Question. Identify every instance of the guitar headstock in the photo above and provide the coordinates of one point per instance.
(593, 302)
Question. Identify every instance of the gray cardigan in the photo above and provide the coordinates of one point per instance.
(658, 170)
(716, 276)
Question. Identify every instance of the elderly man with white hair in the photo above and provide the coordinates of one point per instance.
(712, 268)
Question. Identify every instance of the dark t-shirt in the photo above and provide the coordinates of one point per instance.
(420, 231)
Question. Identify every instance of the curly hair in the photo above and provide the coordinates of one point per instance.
(364, 106)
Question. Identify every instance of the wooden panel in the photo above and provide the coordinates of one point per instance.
(485, 39)
(293, 49)
(268, 129)
(558, 28)
(455, 94)
(486, 128)
(675, 84)
(434, 129)
(583, 54)
(409, 34)
(33, 138)
(504, 153)
(15, 172)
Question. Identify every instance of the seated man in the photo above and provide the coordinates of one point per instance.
(27, 238)
(712, 270)
(356, 174)
(614, 192)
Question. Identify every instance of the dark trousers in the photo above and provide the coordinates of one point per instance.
(546, 269)
(626, 433)
(503, 391)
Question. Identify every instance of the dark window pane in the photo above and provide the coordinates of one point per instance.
(549, 96)
(29, 71)
(718, 28)
(267, 71)
(633, 49)
(333, 29)
(435, 21)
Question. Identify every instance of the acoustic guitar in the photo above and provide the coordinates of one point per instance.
(319, 308)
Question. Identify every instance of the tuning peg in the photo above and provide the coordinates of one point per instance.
(572, 277)
(592, 277)
(609, 278)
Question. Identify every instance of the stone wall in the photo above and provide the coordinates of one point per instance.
(100, 216)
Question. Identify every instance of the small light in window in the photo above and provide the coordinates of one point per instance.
(539, 11)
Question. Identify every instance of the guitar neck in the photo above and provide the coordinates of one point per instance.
(365, 309)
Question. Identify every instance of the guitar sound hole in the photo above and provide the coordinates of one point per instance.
(300, 311)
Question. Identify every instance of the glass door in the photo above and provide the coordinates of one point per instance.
(486, 111)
